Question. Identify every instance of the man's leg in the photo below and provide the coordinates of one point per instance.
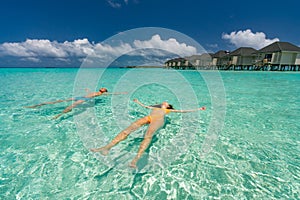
(69, 108)
(46, 103)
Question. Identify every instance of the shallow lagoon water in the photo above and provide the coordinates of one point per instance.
(255, 155)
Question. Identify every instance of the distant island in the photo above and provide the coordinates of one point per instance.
(142, 67)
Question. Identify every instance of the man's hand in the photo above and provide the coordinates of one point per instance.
(202, 108)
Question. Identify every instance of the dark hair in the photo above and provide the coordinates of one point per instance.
(159, 106)
(170, 106)
(156, 106)
(103, 89)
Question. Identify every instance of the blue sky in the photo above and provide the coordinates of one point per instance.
(62, 32)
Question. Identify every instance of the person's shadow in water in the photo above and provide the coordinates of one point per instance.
(75, 111)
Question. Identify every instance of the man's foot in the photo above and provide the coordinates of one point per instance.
(104, 151)
(29, 106)
(56, 117)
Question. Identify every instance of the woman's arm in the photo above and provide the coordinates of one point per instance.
(185, 111)
(138, 102)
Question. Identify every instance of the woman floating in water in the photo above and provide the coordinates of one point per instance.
(156, 120)
(77, 101)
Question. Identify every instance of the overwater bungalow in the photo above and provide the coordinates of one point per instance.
(193, 61)
(217, 58)
(239, 59)
(279, 56)
(178, 63)
(203, 61)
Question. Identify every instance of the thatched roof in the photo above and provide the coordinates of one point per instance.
(193, 57)
(199, 57)
(220, 54)
(206, 56)
(243, 51)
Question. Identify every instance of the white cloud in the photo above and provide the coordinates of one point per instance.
(82, 47)
(248, 39)
(119, 3)
(31, 59)
(34, 52)
(213, 46)
(33, 48)
(15, 49)
(79, 48)
(114, 4)
(123, 48)
(170, 45)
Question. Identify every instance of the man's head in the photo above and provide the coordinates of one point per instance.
(102, 90)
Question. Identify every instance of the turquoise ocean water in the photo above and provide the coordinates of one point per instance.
(253, 151)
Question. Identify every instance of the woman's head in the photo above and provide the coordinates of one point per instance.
(166, 105)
